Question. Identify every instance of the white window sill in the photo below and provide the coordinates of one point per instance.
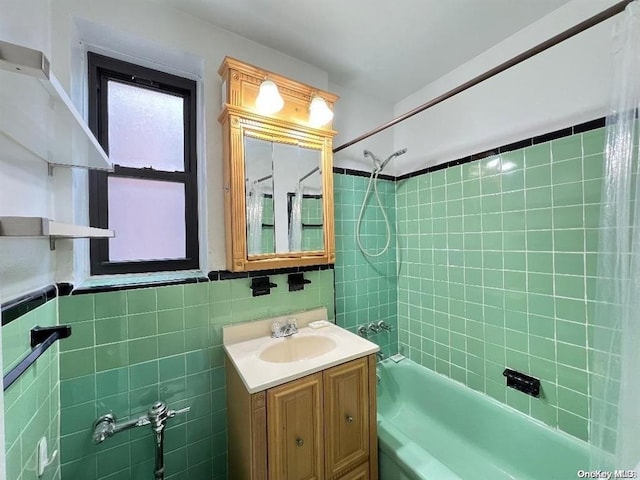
(133, 279)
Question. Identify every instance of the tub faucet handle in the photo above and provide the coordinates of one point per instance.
(382, 325)
(103, 428)
(173, 413)
(363, 331)
(374, 327)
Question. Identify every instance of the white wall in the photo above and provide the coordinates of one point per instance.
(162, 38)
(356, 113)
(138, 31)
(563, 86)
(25, 188)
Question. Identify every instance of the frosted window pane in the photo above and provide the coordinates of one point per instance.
(146, 128)
(148, 217)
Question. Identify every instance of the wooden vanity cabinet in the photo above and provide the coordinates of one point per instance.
(294, 430)
(318, 427)
(347, 413)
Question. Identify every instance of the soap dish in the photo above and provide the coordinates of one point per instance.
(319, 324)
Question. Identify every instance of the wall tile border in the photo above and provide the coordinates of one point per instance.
(18, 307)
(527, 142)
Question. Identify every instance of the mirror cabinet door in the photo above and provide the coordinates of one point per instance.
(284, 204)
(305, 224)
(259, 198)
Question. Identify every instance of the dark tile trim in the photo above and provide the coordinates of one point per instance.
(517, 145)
(216, 275)
(64, 289)
(592, 125)
(360, 173)
(17, 307)
(213, 276)
(547, 137)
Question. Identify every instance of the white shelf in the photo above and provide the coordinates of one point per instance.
(37, 118)
(42, 227)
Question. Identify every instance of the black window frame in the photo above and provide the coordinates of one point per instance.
(101, 70)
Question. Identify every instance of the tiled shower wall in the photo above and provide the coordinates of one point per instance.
(366, 287)
(131, 348)
(498, 259)
(31, 404)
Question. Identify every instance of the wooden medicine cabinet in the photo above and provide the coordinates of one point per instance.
(278, 174)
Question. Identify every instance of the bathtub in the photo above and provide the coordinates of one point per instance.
(433, 428)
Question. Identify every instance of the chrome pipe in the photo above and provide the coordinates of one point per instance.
(157, 416)
(159, 469)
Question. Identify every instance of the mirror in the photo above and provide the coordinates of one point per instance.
(283, 191)
(259, 196)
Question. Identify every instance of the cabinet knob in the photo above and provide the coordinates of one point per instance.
(299, 442)
(349, 419)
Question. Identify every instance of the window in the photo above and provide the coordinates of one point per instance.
(146, 122)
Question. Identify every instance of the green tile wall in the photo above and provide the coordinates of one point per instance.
(366, 287)
(133, 347)
(31, 404)
(497, 267)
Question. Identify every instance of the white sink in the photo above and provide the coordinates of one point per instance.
(294, 349)
(264, 362)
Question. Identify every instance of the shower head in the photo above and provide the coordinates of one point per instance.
(367, 153)
(392, 156)
(377, 164)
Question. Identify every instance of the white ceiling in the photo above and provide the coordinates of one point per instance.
(385, 48)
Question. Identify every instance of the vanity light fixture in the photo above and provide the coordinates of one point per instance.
(269, 100)
(319, 112)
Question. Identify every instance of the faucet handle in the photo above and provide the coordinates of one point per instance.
(382, 325)
(276, 326)
(292, 322)
(173, 413)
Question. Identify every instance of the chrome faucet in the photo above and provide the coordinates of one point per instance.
(278, 330)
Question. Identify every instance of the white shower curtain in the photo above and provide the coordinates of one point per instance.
(254, 218)
(614, 427)
(295, 222)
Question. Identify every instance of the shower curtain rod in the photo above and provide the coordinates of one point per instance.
(304, 177)
(541, 47)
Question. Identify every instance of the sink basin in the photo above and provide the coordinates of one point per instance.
(295, 348)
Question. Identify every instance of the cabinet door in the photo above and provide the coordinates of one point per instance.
(294, 429)
(346, 401)
(360, 473)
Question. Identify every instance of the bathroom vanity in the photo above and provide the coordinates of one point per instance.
(302, 407)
